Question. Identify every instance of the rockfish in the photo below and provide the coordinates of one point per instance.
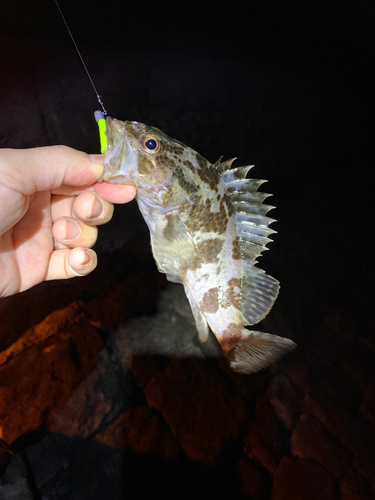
(208, 225)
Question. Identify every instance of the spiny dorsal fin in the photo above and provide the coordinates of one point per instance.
(217, 162)
(223, 166)
(258, 290)
(249, 209)
(234, 174)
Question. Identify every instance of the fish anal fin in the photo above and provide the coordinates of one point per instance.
(258, 293)
(257, 351)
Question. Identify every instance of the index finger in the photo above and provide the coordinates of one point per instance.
(46, 168)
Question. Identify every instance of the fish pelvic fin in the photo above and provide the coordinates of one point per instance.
(200, 320)
(257, 351)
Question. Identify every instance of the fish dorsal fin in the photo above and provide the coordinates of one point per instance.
(223, 166)
(258, 290)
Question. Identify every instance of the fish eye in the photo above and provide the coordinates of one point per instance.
(151, 143)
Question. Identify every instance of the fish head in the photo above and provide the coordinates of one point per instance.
(161, 168)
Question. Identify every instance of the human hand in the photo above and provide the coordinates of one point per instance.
(50, 205)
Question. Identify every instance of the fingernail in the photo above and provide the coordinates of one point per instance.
(97, 208)
(96, 158)
(72, 229)
(86, 259)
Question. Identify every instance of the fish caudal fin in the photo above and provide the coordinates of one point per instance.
(257, 351)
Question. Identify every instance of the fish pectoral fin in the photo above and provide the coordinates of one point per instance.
(258, 294)
(257, 351)
(172, 245)
(200, 320)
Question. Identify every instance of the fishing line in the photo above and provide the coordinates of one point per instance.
(83, 62)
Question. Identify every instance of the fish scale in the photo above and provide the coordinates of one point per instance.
(208, 225)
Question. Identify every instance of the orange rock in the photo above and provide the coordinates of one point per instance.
(40, 371)
(303, 479)
(142, 431)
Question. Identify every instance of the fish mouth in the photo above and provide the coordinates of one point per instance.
(119, 155)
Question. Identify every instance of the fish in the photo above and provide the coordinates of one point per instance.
(208, 225)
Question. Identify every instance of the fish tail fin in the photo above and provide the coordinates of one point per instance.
(257, 350)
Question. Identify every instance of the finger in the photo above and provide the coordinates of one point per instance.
(40, 169)
(71, 190)
(115, 193)
(61, 206)
(88, 207)
(67, 263)
(92, 209)
(74, 233)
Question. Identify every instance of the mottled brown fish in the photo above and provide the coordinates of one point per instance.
(208, 225)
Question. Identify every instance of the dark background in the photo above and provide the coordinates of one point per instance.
(287, 86)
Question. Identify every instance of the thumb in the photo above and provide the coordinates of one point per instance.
(41, 169)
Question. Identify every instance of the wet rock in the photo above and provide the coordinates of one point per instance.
(286, 400)
(136, 294)
(258, 445)
(112, 268)
(311, 439)
(6, 455)
(346, 427)
(266, 439)
(255, 483)
(164, 332)
(303, 479)
(97, 401)
(143, 367)
(305, 370)
(358, 362)
(51, 325)
(248, 386)
(37, 382)
(63, 467)
(327, 345)
(367, 406)
(199, 406)
(14, 484)
(342, 389)
(354, 486)
(363, 456)
(341, 324)
(142, 431)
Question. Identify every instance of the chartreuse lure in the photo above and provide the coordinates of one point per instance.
(100, 120)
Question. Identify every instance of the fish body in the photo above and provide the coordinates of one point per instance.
(208, 225)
